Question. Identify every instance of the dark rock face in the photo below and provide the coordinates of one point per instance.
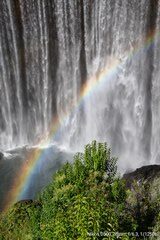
(1, 155)
(145, 173)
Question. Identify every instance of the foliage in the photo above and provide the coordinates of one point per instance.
(21, 222)
(143, 207)
(86, 200)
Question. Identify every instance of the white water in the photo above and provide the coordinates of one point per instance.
(48, 50)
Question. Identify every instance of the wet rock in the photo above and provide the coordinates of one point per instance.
(148, 174)
(1, 156)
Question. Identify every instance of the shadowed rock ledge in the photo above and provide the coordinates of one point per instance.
(148, 174)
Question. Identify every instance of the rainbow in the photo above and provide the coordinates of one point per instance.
(112, 67)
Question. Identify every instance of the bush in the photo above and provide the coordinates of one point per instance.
(21, 221)
(86, 198)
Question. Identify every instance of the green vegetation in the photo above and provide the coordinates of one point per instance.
(21, 222)
(86, 200)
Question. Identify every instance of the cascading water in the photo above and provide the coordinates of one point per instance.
(48, 51)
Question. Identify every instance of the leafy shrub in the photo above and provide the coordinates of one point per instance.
(21, 221)
(86, 198)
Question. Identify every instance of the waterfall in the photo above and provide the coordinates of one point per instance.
(48, 51)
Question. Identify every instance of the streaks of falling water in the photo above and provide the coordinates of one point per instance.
(155, 141)
(16, 70)
(44, 44)
(50, 48)
(5, 111)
